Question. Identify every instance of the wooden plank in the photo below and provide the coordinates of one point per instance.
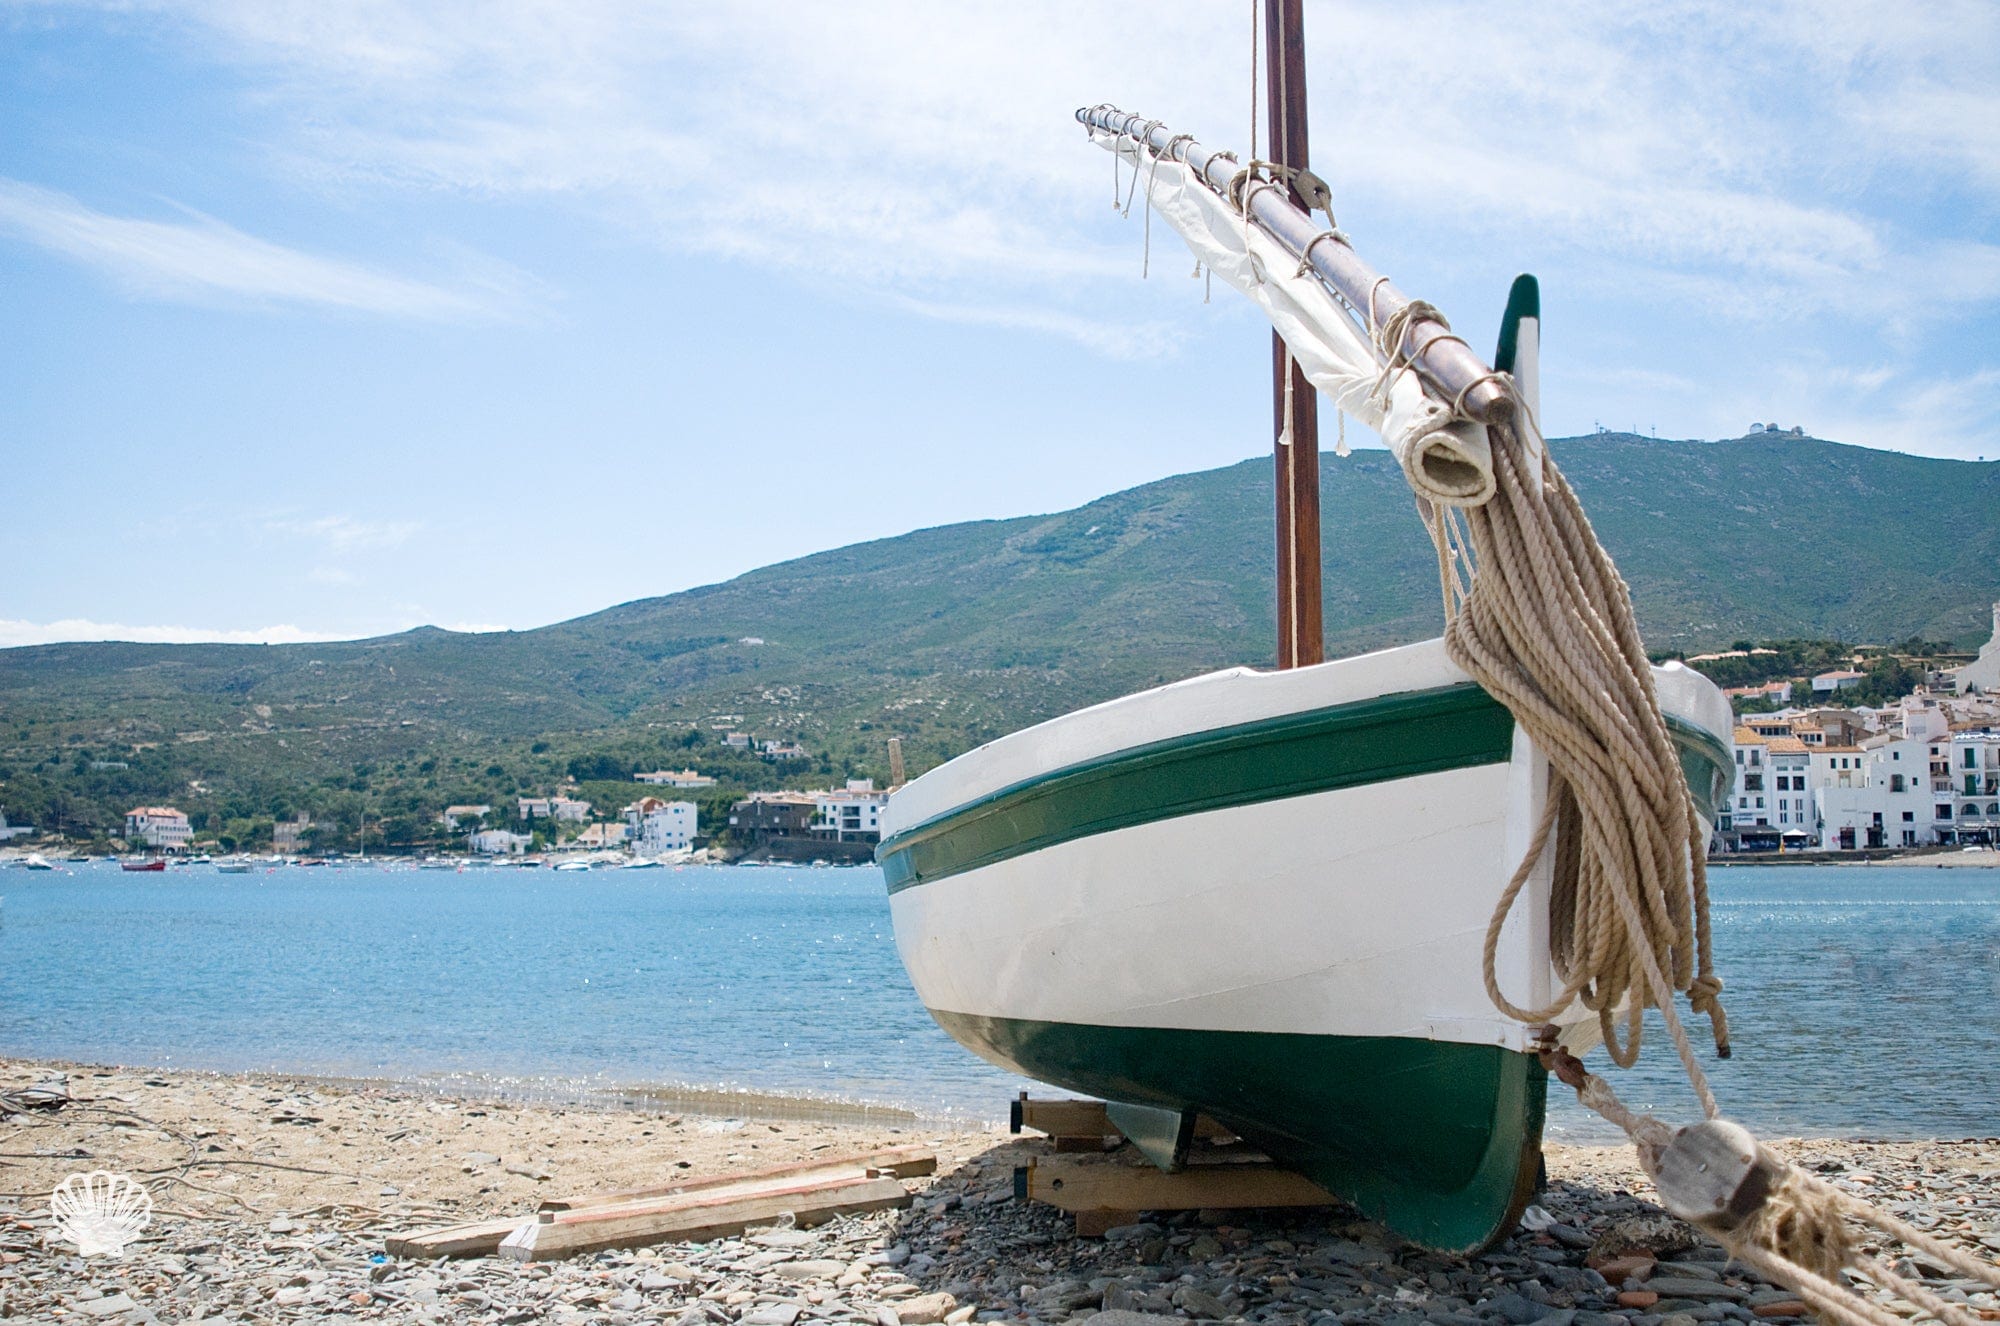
(1077, 1183)
(473, 1240)
(1087, 1118)
(695, 1218)
(483, 1237)
(903, 1162)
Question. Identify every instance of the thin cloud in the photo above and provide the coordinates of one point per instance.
(342, 534)
(204, 259)
(16, 633)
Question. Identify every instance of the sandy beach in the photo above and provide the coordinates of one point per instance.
(274, 1196)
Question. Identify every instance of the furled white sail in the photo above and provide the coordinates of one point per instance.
(1446, 460)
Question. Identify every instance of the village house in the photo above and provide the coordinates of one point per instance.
(454, 814)
(498, 842)
(785, 750)
(597, 837)
(1841, 679)
(675, 778)
(566, 810)
(852, 814)
(654, 827)
(288, 836)
(13, 831)
(763, 816)
(161, 828)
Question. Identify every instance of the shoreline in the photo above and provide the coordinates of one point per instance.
(274, 1195)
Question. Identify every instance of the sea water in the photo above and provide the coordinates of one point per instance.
(1862, 1000)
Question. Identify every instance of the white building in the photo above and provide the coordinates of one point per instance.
(785, 750)
(654, 827)
(160, 827)
(1841, 679)
(675, 778)
(850, 815)
(1983, 673)
(498, 842)
(453, 814)
(563, 809)
(1974, 779)
(14, 831)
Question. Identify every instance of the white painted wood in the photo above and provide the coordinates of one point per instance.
(1359, 912)
(1198, 704)
(1356, 912)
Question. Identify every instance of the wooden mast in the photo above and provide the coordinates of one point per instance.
(1301, 635)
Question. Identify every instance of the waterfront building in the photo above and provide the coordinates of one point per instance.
(654, 827)
(498, 842)
(288, 836)
(454, 814)
(852, 814)
(159, 827)
(600, 836)
(763, 816)
(13, 831)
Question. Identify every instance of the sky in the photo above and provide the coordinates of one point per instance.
(322, 319)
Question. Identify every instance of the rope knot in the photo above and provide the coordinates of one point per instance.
(1705, 997)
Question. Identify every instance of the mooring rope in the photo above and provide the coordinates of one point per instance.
(1537, 613)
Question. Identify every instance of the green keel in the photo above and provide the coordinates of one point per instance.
(1439, 1141)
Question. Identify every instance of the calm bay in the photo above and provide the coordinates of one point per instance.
(1863, 1001)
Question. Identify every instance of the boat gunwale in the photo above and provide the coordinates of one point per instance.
(1688, 736)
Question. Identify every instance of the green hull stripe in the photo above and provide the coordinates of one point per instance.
(1705, 763)
(1371, 741)
(1437, 1140)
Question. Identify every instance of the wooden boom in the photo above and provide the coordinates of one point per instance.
(1441, 358)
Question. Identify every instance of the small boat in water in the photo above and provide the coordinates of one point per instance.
(157, 863)
(574, 865)
(36, 861)
(232, 867)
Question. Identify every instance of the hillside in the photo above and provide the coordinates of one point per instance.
(954, 634)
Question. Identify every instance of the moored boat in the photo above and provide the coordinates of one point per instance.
(1261, 896)
(154, 864)
(1271, 898)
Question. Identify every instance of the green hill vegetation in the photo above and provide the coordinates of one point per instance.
(953, 635)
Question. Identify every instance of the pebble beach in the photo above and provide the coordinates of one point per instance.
(274, 1196)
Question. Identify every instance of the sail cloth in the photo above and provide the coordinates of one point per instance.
(1446, 460)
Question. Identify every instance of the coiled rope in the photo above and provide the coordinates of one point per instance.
(1537, 614)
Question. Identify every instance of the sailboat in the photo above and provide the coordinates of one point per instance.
(1260, 896)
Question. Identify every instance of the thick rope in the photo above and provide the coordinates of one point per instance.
(1802, 1232)
(1538, 615)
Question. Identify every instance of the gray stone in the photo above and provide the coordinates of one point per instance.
(1356, 1254)
(1199, 1303)
(1120, 1317)
(774, 1314)
(821, 1269)
(1688, 1286)
(109, 1305)
(1516, 1309)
